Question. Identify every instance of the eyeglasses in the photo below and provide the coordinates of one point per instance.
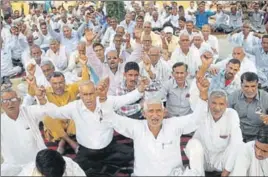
(4, 101)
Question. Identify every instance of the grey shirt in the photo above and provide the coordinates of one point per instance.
(250, 122)
(178, 103)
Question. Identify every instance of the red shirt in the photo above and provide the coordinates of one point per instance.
(227, 82)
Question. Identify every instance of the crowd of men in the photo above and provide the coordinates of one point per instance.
(153, 77)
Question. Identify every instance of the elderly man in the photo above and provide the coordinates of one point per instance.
(157, 23)
(251, 105)
(218, 138)
(211, 40)
(176, 91)
(238, 53)
(187, 55)
(155, 68)
(245, 38)
(58, 55)
(156, 40)
(252, 159)
(68, 37)
(98, 150)
(50, 163)
(199, 44)
(60, 94)
(128, 24)
(169, 41)
(21, 123)
(157, 140)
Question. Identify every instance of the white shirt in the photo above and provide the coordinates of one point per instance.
(246, 66)
(213, 43)
(72, 169)
(247, 164)
(157, 24)
(6, 62)
(107, 36)
(90, 123)
(18, 44)
(155, 156)
(221, 18)
(218, 137)
(60, 58)
(21, 139)
(192, 59)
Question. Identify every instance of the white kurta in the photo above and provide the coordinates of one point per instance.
(247, 164)
(220, 140)
(21, 140)
(156, 156)
(72, 169)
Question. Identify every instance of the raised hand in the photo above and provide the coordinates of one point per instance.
(40, 93)
(146, 62)
(31, 69)
(264, 118)
(30, 80)
(90, 35)
(207, 59)
(202, 84)
(83, 59)
(103, 87)
(143, 84)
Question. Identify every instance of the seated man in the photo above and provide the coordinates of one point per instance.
(129, 83)
(50, 163)
(95, 137)
(176, 91)
(157, 140)
(251, 104)
(218, 137)
(252, 160)
(60, 94)
(20, 135)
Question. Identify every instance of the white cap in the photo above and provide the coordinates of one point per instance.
(168, 29)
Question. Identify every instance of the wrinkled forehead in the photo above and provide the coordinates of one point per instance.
(8, 95)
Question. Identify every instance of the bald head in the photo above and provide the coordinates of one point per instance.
(239, 53)
(154, 54)
(88, 94)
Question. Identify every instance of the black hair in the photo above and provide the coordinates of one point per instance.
(50, 163)
(178, 64)
(235, 61)
(182, 18)
(262, 136)
(249, 77)
(56, 74)
(97, 44)
(140, 17)
(7, 16)
(132, 66)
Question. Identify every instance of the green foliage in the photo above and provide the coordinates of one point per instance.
(116, 9)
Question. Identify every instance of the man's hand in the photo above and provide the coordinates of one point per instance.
(207, 59)
(143, 84)
(147, 62)
(90, 35)
(83, 59)
(213, 71)
(40, 93)
(31, 80)
(203, 87)
(137, 34)
(102, 89)
(264, 118)
(31, 69)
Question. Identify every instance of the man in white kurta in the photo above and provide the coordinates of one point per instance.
(157, 141)
(252, 159)
(20, 135)
(219, 136)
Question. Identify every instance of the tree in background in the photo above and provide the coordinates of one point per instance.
(116, 9)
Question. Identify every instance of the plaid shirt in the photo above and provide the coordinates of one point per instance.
(218, 83)
(131, 109)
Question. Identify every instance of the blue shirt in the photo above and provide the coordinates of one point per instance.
(202, 18)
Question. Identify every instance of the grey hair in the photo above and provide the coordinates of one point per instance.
(83, 83)
(47, 62)
(7, 90)
(82, 43)
(240, 47)
(53, 41)
(112, 50)
(152, 101)
(154, 47)
(67, 26)
(218, 94)
(184, 33)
